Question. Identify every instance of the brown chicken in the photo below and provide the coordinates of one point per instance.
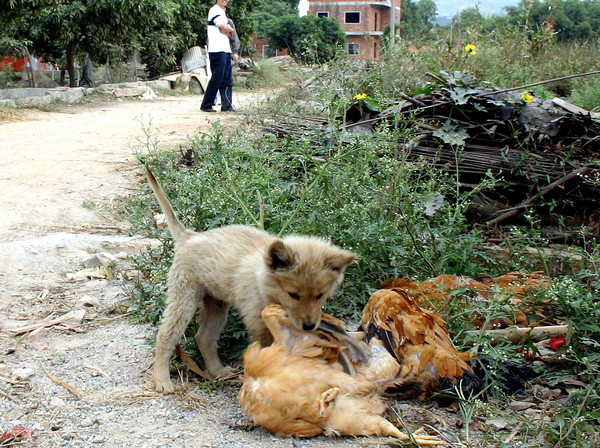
(419, 342)
(515, 286)
(298, 387)
(438, 292)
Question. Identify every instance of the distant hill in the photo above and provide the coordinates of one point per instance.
(443, 20)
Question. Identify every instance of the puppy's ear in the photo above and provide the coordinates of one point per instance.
(279, 256)
(339, 260)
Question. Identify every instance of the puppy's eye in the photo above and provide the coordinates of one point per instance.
(319, 297)
(294, 296)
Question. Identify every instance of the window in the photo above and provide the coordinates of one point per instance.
(323, 14)
(352, 17)
(353, 49)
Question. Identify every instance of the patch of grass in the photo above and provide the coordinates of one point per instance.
(265, 75)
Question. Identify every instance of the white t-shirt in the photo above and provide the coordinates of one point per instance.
(217, 41)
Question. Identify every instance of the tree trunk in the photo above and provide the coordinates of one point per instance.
(71, 46)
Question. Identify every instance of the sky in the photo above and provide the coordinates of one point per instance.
(449, 8)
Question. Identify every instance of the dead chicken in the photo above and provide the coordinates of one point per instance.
(418, 340)
(312, 383)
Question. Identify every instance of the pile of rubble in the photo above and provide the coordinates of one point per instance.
(540, 151)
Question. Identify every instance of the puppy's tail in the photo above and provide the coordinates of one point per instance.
(175, 227)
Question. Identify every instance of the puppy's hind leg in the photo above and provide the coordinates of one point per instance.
(182, 304)
(211, 321)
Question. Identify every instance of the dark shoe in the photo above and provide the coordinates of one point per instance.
(233, 110)
(207, 109)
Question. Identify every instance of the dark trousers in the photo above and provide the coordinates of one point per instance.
(220, 81)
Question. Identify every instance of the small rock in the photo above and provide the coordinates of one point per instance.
(99, 259)
(160, 221)
(496, 423)
(86, 422)
(56, 402)
(520, 405)
(22, 374)
(39, 334)
(122, 256)
(88, 302)
(531, 412)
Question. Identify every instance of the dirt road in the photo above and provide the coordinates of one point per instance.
(85, 382)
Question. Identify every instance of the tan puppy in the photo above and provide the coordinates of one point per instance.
(244, 267)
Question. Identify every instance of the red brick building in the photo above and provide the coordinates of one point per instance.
(362, 21)
(263, 50)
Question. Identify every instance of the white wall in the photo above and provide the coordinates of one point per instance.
(303, 7)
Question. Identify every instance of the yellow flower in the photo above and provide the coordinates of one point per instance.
(470, 48)
(527, 97)
(360, 96)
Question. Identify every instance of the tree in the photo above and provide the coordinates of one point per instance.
(161, 30)
(309, 39)
(468, 18)
(418, 19)
(571, 19)
(269, 12)
(12, 20)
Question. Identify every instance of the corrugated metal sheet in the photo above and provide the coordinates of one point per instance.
(193, 60)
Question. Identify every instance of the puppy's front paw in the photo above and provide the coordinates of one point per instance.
(226, 372)
(164, 385)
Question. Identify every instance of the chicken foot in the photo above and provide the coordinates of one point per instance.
(327, 397)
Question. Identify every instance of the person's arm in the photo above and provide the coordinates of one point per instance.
(226, 29)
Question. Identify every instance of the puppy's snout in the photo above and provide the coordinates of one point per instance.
(308, 326)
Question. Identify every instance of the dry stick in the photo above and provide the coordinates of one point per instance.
(516, 335)
(557, 183)
(101, 321)
(5, 395)
(63, 383)
(75, 315)
(513, 434)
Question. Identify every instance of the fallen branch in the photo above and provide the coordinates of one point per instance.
(102, 321)
(96, 369)
(557, 183)
(8, 397)
(75, 316)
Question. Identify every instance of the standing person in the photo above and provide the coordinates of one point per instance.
(219, 54)
(234, 41)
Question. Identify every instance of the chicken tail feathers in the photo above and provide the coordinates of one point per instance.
(469, 385)
(410, 389)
